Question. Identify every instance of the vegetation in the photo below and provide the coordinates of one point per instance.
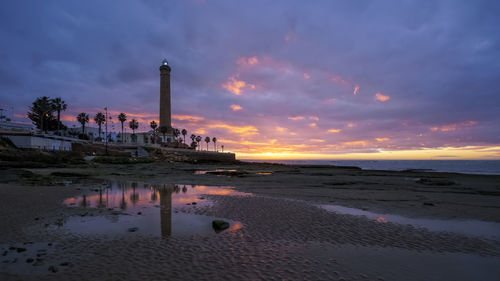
(83, 118)
(207, 140)
(99, 119)
(41, 114)
(122, 117)
(198, 140)
(153, 126)
(184, 133)
(59, 105)
(215, 143)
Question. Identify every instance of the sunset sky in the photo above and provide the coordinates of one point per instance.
(271, 79)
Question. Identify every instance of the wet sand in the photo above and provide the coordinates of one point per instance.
(284, 236)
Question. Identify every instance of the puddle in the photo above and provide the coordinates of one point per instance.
(27, 258)
(143, 209)
(216, 171)
(466, 227)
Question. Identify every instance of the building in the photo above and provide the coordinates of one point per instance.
(165, 105)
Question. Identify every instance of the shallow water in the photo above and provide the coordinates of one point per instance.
(467, 227)
(144, 209)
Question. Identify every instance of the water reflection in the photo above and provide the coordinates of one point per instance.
(142, 201)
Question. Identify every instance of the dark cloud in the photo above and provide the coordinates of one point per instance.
(436, 60)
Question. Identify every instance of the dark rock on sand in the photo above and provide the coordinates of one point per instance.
(219, 225)
(19, 250)
(133, 229)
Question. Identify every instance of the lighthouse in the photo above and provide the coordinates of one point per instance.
(165, 108)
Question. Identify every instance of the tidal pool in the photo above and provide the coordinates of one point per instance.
(145, 209)
(466, 227)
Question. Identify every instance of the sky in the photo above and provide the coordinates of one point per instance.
(366, 79)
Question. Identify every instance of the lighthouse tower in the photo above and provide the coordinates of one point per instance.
(165, 108)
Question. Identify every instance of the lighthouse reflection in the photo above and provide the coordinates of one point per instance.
(166, 210)
(157, 209)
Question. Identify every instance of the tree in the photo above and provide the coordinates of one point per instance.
(99, 120)
(198, 139)
(133, 125)
(215, 143)
(41, 113)
(207, 140)
(176, 133)
(184, 133)
(153, 126)
(59, 105)
(83, 118)
(122, 117)
(163, 130)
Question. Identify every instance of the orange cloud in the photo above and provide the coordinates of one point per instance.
(382, 139)
(313, 125)
(241, 130)
(281, 129)
(317, 140)
(236, 107)
(351, 125)
(356, 90)
(337, 79)
(200, 132)
(295, 118)
(189, 118)
(382, 98)
(355, 143)
(306, 75)
(333, 130)
(316, 118)
(236, 86)
(453, 127)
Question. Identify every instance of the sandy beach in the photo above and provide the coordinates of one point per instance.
(282, 233)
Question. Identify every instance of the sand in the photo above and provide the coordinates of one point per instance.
(284, 237)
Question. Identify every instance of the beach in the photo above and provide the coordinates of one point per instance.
(288, 222)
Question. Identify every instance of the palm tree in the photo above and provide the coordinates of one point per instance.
(176, 133)
(133, 125)
(215, 143)
(153, 126)
(99, 119)
(207, 140)
(198, 139)
(184, 133)
(59, 105)
(122, 117)
(82, 119)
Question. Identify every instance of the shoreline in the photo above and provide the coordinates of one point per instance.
(282, 235)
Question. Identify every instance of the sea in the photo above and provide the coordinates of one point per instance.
(485, 167)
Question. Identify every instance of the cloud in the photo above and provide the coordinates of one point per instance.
(295, 118)
(313, 125)
(333, 130)
(381, 97)
(246, 61)
(236, 107)
(236, 86)
(454, 126)
(382, 139)
(316, 118)
(240, 130)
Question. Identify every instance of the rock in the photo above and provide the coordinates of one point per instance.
(194, 203)
(219, 225)
(428, 204)
(5, 253)
(65, 263)
(37, 219)
(53, 269)
(133, 229)
(49, 244)
(139, 213)
(29, 260)
(19, 250)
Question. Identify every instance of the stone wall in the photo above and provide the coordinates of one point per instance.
(189, 155)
